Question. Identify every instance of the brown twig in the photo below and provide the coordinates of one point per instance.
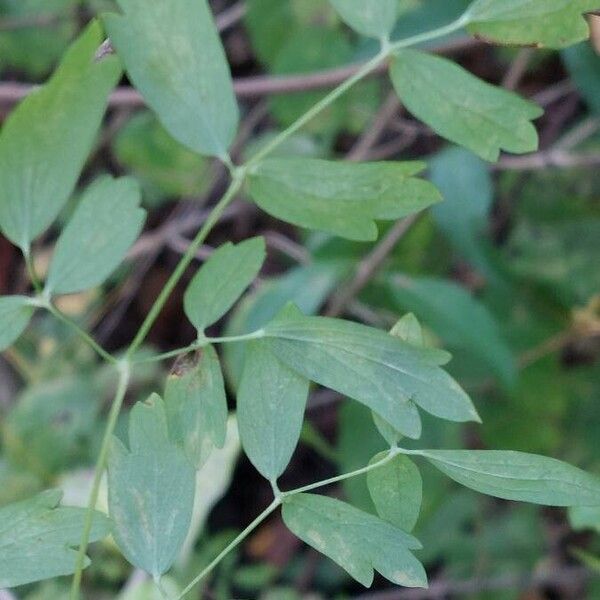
(247, 87)
(369, 266)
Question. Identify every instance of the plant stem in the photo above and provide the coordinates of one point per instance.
(37, 286)
(238, 177)
(242, 536)
(364, 71)
(87, 338)
(113, 415)
(202, 343)
(279, 499)
(186, 259)
(390, 455)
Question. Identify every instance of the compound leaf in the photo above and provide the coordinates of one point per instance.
(46, 139)
(222, 280)
(173, 55)
(105, 224)
(151, 491)
(357, 541)
(397, 491)
(379, 370)
(196, 404)
(37, 538)
(474, 114)
(373, 18)
(270, 408)
(342, 198)
(518, 476)
(15, 314)
(544, 23)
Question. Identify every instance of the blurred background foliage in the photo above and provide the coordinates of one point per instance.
(505, 274)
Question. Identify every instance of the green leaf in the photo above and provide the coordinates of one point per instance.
(459, 319)
(173, 55)
(15, 314)
(585, 517)
(52, 426)
(35, 50)
(340, 197)
(150, 491)
(270, 407)
(518, 476)
(164, 167)
(103, 227)
(221, 281)
(397, 491)
(466, 184)
(148, 428)
(37, 538)
(196, 404)
(583, 65)
(482, 117)
(357, 541)
(373, 18)
(409, 330)
(46, 140)
(381, 371)
(545, 23)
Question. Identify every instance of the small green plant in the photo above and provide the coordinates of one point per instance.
(171, 52)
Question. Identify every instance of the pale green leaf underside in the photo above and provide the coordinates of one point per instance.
(545, 23)
(373, 18)
(150, 491)
(342, 198)
(357, 541)
(396, 489)
(37, 538)
(221, 281)
(173, 55)
(196, 404)
(386, 374)
(518, 476)
(270, 409)
(15, 314)
(462, 108)
(46, 140)
(105, 224)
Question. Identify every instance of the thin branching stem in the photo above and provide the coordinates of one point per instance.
(238, 177)
(201, 343)
(113, 416)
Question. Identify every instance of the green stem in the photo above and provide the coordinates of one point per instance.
(35, 281)
(391, 454)
(240, 538)
(239, 174)
(81, 332)
(428, 36)
(279, 499)
(202, 343)
(369, 67)
(365, 70)
(113, 415)
(185, 261)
